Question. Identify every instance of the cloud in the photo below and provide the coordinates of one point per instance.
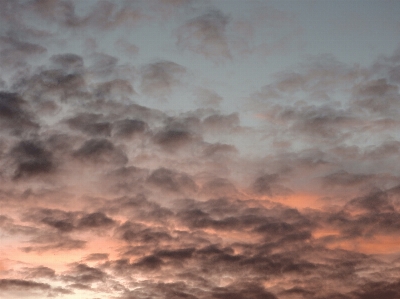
(83, 274)
(127, 128)
(70, 62)
(129, 48)
(40, 271)
(95, 220)
(15, 53)
(103, 65)
(246, 291)
(125, 179)
(171, 181)
(378, 289)
(97, 256)
(222, 122)
(114, 88)
(219, 149)
(377, 96)
(7, 284)
(100, 151)
(343, 178)
(131, 232)
(15, 114)
(47, 241)
(263, 183)
(160, 78)
(107, 193)
(52, 85)
(66, 222)
(88, 123)
(104, 15)
(206, 35)
(173, 139)
(219, 187)
(208, 98)
(31, 159)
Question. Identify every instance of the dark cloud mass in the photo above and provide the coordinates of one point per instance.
(15, 115)
(151, 149)
(31, 159)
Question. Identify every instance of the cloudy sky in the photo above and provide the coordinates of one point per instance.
(199, 149)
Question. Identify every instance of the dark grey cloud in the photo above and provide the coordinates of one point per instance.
(10, 227)
(343, 178)
(172, 181)
(66, 222)
(242, 291)
(263, 184)
(139, 208)
(219, 187)
(90, 124)
(298, 291)
(47, 243)
(374, 214)
(15, 114)
(128, 128)
(80, 286)
(173, 139)
(19, 284)
(31, 159)
(139, 233)
(126, 180)
(148, 263)
(60, 220)
(219, 149)
(380, 289)
(83, 274)
(52, 85)
(100, 151)
(70, 62)
(178, 254)
(95, 220)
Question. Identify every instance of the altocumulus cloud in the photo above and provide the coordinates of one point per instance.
(110, 189)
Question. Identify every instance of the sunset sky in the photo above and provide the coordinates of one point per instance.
(186, 149)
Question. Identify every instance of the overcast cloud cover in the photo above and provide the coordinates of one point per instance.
(199, 149)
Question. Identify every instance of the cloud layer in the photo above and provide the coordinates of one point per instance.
(109, 190)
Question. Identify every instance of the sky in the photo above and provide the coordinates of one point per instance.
(199, 149)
